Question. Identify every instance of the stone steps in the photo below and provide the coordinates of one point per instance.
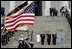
(53, 46)
(44, 24)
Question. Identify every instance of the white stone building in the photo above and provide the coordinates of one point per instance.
(43, 24)
(43, 6)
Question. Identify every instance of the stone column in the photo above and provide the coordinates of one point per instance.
(45, 8)
(12, 5)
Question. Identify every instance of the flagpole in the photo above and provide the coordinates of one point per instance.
(21, 3)
(31, 35)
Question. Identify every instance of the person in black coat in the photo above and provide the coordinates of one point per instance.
(42, 38)
(50, 11)
(48, 38)
(2, 11)
(54, 35)
(56, 12)
(53, 10)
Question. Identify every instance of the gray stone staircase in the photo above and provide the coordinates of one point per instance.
(48, 24)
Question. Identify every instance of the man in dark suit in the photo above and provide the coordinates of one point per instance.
(42, 38)
(50, 11)
(48, 38)
(54, 35)
(56, 12)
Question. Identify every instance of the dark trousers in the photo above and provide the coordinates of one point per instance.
(53, 14)
(48, 41)
(42, 41)
(56, 14)
(50, 13)
(54, 41)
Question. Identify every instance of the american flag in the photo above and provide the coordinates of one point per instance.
(24, 19)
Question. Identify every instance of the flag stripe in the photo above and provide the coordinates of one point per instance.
(11, 24)
(19, 23)
(13, 28)
(26, 14)
(23, 15)
(20, 19)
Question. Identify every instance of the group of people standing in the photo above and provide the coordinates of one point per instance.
(49, 36)
(66, 12)
(53, 12)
